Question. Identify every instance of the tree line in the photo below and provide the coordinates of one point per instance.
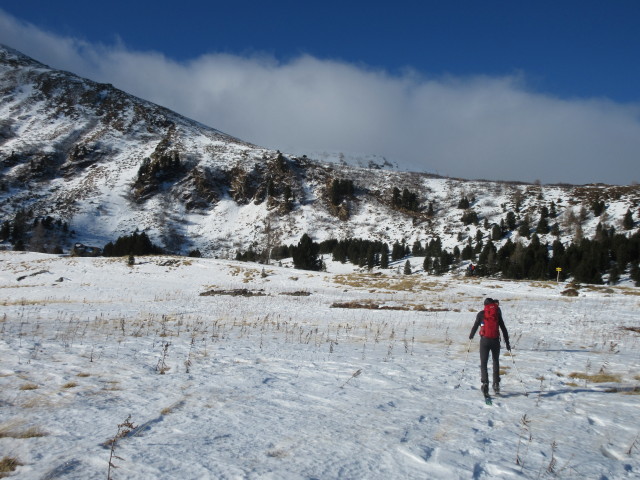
(587, 261)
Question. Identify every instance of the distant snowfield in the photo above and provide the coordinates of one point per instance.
(290, 384)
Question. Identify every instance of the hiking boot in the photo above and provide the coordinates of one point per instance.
(496, 388)
(485, 389)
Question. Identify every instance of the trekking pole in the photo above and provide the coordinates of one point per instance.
(465, 365)
(519, 377)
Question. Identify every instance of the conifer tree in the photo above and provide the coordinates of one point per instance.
(395, 197)
(634, 273)
(543, 226)
(496, 232)
(397, 251)
(407, 268)
(371, 256)
(524, 229)
(5, 231)
(614, 275)
(627, 222)
(417, 249)
(464, 203)
(511, 221)
(384, 256)
(305, 255)
(426, 265)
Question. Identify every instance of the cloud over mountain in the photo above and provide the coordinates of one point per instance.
(472, 127)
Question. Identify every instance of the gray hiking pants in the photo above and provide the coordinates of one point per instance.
(489, 345)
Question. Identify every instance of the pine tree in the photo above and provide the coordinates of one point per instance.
(384, 256)
(395, 197)
(417, 249)
(543, 226)
(467, 252)
(598, 207)
(407, 268)
(305, 255)
(634, 273)
(464, 203)
(627, 222)
(397, 251)
(469, 217)
(426, 265)
(5, 232)
(614, 274)
(524, 229)
(371, 256)
(496, 232)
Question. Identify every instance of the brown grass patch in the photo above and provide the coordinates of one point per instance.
(625, 390)
(596, 377)
(70, 385)
(569, 292)
(631, 329)
(369, 281)
(238, 292)
(371, 305)
(629, 291)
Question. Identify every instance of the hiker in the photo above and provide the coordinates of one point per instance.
(489, 320)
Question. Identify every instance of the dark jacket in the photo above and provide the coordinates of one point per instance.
(480, 318)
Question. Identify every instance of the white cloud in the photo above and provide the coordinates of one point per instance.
(474, 127)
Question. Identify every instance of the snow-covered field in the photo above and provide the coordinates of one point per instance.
(286, 382)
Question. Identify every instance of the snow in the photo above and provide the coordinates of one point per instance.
(284, 385)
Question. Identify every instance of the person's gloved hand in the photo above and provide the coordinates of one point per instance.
(470, 337)
(508, 347)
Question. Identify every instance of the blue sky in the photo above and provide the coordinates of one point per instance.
(521, 90)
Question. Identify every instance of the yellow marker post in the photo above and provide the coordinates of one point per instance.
(558, 269)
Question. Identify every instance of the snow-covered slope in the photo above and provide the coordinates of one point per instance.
(107, 163)
(306, 374)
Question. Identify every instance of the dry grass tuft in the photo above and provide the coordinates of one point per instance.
(70, 385)
(14, 430)
(29, 386)
(8, 465)
(172, 408)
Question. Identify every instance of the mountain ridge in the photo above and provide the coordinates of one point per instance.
(107, 163)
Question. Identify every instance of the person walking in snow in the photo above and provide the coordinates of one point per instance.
(490, 323)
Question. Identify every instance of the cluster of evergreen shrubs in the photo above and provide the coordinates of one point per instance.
(138, 243)
(407, 200)
(340, 189)
(38, 234)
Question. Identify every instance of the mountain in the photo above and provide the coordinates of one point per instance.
(103, 163)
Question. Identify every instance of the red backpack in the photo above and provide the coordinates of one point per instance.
(489, 328)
